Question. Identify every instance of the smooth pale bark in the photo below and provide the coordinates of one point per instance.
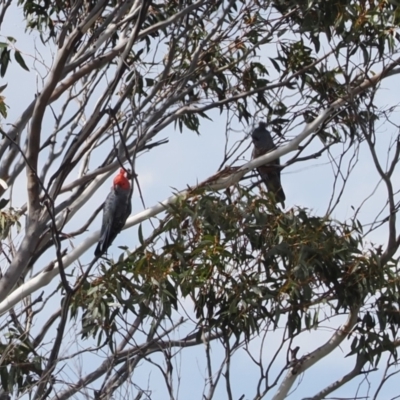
(307, 361)
(219, 181)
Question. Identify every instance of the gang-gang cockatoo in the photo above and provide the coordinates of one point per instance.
(116, 210)
(270, 173)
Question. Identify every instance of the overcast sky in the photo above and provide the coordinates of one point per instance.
(188, 159)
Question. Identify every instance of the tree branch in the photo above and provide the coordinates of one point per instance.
(309, 360)
(221, 180)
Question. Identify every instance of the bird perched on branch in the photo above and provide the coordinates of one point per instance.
(116, 210)
(270, 173)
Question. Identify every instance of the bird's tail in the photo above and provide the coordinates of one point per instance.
(99, 249)
(274, 186)
(105, 241)
(280, 195)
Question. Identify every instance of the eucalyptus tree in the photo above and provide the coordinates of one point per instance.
(221, 268)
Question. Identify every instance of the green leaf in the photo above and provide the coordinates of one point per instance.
(3, 203)
(275, 64)
(20, 60)
(3, 109)
(140, 233)
(4, 60)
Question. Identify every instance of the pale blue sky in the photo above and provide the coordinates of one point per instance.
(189, 158)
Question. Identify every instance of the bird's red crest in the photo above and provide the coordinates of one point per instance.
(122, 180)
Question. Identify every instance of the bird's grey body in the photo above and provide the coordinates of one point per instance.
(270, 173)
(116, 210)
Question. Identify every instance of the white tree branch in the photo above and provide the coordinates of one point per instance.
(361, 360)
(221, 180)
(309, 360)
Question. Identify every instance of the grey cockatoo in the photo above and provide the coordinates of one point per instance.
(116, 210)
(270, 173)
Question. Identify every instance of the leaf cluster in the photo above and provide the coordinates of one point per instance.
(242, 262)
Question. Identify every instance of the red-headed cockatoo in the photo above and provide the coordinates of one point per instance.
(116, 210)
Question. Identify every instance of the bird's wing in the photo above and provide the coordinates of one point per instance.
(270, 173)
(106, 227)
(129, 209)
(272, 179)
